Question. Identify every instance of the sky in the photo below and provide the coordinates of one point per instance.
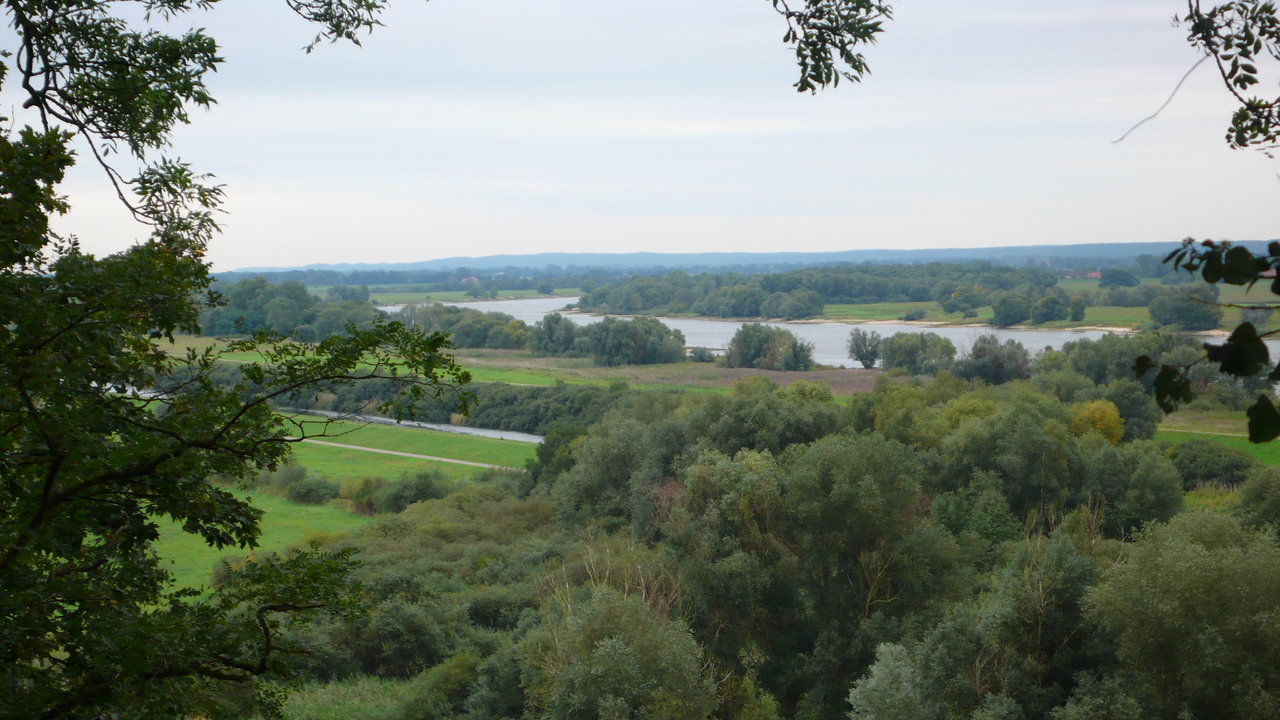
(481, 127)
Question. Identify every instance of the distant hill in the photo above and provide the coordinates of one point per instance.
(1053, 255)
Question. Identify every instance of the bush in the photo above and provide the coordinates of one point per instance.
(312, 491)
(1260, 500)
(439, 692)
(430, 485)
(280, 479)
(362, 492)
(701, 354)
(1205, 461)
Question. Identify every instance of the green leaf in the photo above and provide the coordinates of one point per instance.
(1242, 355)
(1264, 421)
(1172, 387)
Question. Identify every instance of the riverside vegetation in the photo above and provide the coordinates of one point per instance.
(935, 548)
(676, 554)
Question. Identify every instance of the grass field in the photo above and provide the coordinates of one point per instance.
(341, 463)
(426, 442)
(283, 523)
(1265, 453)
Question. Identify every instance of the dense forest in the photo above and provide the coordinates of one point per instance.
(937, 548)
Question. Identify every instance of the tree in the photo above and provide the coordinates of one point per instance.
(1098, 416)
(1192, 308)
(768, 348)
(1115, 277)
(1078, 306)
(103, 432)
(917, 353)
(994, 362)
(864, 346)
(1191, 612)
(1048, 309)
(611, 655)
(1010, 309)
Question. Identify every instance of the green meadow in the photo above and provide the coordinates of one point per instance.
(1265, 453)
(342, 463)
(507, 453)
(284, 523)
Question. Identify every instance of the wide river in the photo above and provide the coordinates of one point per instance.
(830, 339)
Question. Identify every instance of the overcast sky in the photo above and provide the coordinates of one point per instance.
(479, 127)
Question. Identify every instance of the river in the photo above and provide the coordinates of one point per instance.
(830, 339)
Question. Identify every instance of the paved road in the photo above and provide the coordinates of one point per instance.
(408, 455)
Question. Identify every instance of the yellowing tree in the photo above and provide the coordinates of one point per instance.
(1100, 416)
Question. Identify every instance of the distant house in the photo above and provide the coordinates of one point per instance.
(1079, 274)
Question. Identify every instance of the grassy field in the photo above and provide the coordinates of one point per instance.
(1265, 453)
(426, 442)
(341, 463)
(283, 523)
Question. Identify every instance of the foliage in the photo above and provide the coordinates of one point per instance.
(994, 362)
(1117, 277)
(1100, 416)
(611, 655)
(798, 294)
(1013, 651)
(864, 346)
(1010, 309)
(397, 496)
(768, 348)
(1243, 354)
(637, 341)
(1191, 308)
(104, 432)
(922, 353)
(1258, 503)
(1204, 461)
(1235, 35)
(312, 491)
(1048, 309)
(468, 327)
(1179, 653)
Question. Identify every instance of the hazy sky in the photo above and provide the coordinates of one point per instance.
(478, 127)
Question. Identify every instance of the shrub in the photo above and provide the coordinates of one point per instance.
(1260, 499)
(362, 492)
(1205, 461)
(430, 485)
(280, 479)
(312, 491)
